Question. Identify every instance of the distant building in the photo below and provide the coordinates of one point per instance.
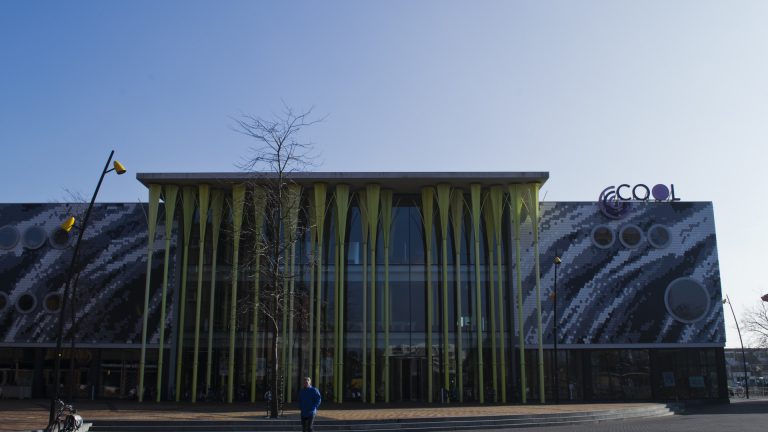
(756, 362)
(639, 312)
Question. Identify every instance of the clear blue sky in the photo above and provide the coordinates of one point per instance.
(595, 92)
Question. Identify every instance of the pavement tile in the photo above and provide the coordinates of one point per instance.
(25, 415)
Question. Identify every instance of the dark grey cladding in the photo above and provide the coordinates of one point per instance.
(616, 295)
(112, 265)
(613, 295)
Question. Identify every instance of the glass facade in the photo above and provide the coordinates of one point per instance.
(453, 304)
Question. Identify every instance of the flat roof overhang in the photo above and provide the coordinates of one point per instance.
(400, 181)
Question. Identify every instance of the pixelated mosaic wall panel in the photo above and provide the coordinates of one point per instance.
(616, 293)
(110, 287)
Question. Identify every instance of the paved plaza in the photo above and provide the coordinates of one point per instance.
(741, 415)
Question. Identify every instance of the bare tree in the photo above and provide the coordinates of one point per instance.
(279, 153)
(755, 323)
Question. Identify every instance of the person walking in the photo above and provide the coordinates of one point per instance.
(309, 402)
(268, 399)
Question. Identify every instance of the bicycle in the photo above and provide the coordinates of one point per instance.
(67, 419)
(738, 392)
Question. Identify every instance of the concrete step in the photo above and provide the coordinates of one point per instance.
(399, 425)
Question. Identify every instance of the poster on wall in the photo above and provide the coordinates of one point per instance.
(696, 381)
(669, 379)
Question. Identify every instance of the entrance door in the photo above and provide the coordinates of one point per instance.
(408, 380)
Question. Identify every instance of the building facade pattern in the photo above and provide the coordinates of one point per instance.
(649, 280)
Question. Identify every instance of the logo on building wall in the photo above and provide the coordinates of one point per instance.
(616, 201)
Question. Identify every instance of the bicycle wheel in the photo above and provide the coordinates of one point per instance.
(740, 392)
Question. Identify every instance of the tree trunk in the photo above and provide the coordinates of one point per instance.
(276, 396)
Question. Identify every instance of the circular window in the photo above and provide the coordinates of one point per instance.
(659, 236)
(3, 301)
(26, 303)
(602, 237)
(59, 238)
(9, 237)
(52, 302)
(34, 237)
(686, 300)
(630, 236)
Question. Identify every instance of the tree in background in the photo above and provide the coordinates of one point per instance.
(277, 227)
(755, 322)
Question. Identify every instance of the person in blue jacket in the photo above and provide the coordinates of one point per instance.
(309, 402)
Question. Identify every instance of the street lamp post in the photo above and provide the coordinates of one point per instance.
(743, 356)
(557, 262)
(72, 334)
(67, 226)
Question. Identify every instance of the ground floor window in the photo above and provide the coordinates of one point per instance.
(620, 374)
(570, 375)
(685, 374)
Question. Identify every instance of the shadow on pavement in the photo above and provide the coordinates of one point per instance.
(739, 407)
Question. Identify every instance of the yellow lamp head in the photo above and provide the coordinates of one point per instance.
(68, 224)
(119, 168)
(558, 260)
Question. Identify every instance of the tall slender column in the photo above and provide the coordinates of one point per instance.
(457, 218)
(154, 200)
(188, 207)
(294, 200)
(533, 210)
(217, 203)
(311, 305)
(386, 232)
(475, 190)
(497, 206)
(319, 190)
(204, 195)
(515, 213)
(427, 203)
(342, 211)
(170, 194)
(372, 195)
(259, 204)
(443, 206)
(488, 218)
(363, 206)
(238, 199)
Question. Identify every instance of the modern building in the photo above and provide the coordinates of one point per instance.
(428, 287)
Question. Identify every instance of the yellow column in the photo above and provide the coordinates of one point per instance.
(533, 210)
(386, 231)
(294, 198)
(516, 205)
(497, 206)
(443, 205)
(259, 204)
(488, 218)
(319, 190)
(238, 199)
(170, 194)
(342, 210)
(188, 207)
(363, 206)
(154, 200)
(204, 194)
(217, 204)
(372, 194)
(475, 190)
(457, 219)
(427, 203)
